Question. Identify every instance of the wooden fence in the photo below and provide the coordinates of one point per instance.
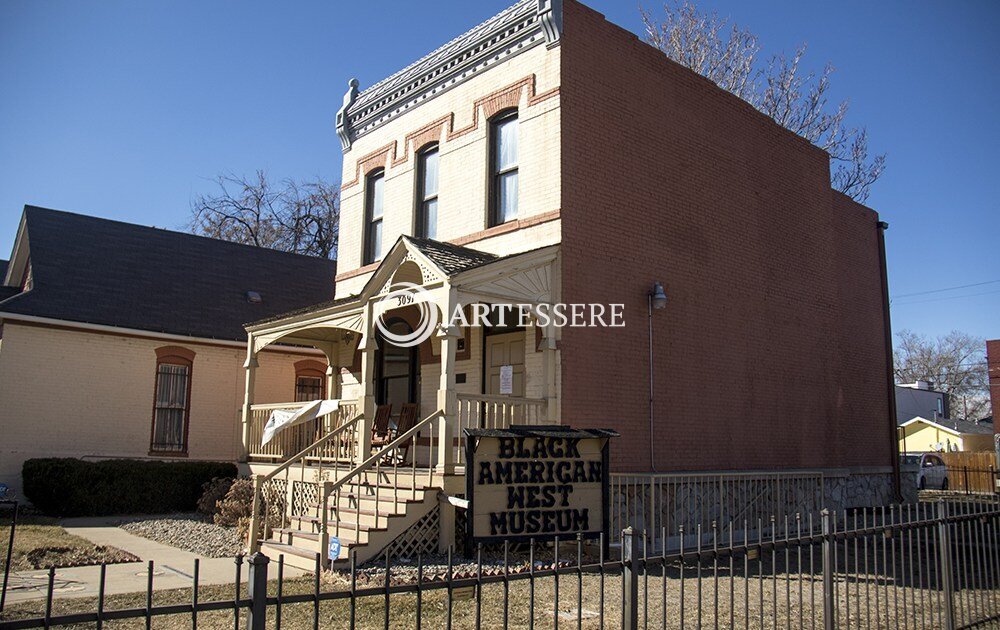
(971, 471)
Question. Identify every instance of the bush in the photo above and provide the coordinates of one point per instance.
(212, 493)
(72, 487)
(234, 510)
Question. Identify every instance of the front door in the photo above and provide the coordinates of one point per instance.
(505, 350)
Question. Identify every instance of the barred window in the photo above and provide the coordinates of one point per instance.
(308, 388)
(173, 384)
(171, 400)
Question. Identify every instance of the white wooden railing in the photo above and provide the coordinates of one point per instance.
(485, 411)
(335, 448)
(292, 440)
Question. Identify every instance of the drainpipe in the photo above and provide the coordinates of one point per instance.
(889, 375)
(649, 309)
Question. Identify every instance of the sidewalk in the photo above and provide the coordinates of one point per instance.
(172, 567)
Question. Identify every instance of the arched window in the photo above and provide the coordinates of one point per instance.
(374, 193)
(427, 192)
(503, 168)
(171, 401)
(310, 380)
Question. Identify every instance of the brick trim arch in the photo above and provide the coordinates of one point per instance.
(178, 352)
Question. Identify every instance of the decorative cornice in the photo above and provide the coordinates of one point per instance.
(341, 124)
(514, 30)
(550, 15)
(443, 129)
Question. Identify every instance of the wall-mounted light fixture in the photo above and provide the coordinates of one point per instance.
(656, 299)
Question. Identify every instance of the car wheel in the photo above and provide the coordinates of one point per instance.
(944, 484)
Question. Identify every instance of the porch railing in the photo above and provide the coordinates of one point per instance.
(484, 411)
(335, 448)
(293, 440)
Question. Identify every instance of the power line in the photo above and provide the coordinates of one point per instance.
(963, 286)
(953, 297)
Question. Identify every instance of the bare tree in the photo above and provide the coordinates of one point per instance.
(301, 217)
(798, 100)
(955, 363)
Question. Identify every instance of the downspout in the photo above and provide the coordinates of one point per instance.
(889, 372)
(649, 309)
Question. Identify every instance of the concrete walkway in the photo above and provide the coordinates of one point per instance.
(172, 567)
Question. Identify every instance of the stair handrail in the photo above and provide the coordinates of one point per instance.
(294, 459)
(333, 488)
(400, 439)
(253, 544)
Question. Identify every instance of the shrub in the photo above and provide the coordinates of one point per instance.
(212, 493)
(72, 487)
(234, 510)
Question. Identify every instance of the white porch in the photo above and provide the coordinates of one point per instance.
(460, 377)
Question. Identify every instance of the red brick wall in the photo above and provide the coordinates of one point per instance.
(993, 361)
(770, 353)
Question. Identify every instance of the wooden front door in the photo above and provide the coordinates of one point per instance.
(501, 350)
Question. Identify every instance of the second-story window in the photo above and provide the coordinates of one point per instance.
(427, 192)
(503, 167)
(373, 216)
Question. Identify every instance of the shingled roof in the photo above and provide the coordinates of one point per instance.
(86, 269)
(450, 258)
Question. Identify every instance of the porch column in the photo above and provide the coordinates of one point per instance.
(447, 399)
(368, 348)
(549, 363)
(250, 368)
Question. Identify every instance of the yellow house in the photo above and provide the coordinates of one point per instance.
(124, 341)
(918, 435)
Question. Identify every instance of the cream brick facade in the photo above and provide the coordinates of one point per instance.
(463, 178)
(76, 393)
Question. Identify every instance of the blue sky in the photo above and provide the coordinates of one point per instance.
(125, 110)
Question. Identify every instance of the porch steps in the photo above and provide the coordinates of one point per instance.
(352, 521)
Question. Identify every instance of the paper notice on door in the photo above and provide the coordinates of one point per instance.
(506, 379)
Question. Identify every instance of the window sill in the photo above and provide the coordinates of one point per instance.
(153, 453)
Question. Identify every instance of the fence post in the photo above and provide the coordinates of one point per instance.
(947, 585)
(257, 584)
(829, 604)
(630, 596)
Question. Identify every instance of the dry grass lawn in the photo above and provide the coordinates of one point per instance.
(40, 543)
(755, 603)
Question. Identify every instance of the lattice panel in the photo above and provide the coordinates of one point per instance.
(304, 494)
(421, 538)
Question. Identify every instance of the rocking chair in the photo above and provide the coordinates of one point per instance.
(380, 426)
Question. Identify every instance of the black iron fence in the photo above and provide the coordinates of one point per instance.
(913, 566)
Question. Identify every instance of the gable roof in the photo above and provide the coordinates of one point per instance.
(956, 427)
(451, 259)
(91, 270)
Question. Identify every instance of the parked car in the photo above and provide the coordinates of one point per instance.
(932, 471)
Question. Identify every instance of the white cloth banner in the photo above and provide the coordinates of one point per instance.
(281, 419)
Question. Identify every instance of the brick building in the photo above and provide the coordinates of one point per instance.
(549, 156)
(125, 341)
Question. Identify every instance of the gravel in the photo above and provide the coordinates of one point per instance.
(190, 532)
(435, 567)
